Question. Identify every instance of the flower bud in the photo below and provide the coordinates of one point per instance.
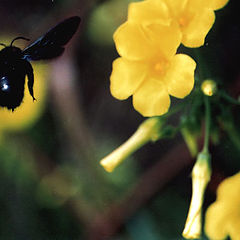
(201, 175)
(147, 131)
(209, 87)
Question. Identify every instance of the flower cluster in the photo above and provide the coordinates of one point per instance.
(149, 68)
(223, 216)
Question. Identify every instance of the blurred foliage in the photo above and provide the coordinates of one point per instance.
(52, 186)
(105, 19)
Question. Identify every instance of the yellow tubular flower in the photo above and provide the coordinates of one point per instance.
(149, 130)
(201, 175)
(223, 216)
(148, 68)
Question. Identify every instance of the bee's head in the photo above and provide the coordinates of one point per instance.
(12, 51)
(2, 44)
(11, 44)
(26, 39)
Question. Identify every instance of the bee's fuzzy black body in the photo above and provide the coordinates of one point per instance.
(15, 63)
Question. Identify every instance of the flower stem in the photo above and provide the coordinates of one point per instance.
(207, 124)
(232, 132)
(174, 110)
(229, 98)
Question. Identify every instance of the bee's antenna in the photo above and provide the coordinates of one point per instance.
(2, 44)
(17, 39)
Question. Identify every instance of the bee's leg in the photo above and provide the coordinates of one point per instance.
(30, 75)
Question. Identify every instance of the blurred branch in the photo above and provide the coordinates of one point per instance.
(68, 107)
(72, 120)
(154, 180)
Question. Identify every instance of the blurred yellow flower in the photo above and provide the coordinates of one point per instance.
(28, 112)
(223, 216)
(148, 68)
(56, 188)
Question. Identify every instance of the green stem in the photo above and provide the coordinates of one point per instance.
(207, 123)
(229, 98)
(174, 109)
(232, 133)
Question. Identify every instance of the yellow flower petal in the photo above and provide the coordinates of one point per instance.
(217, 4)
(132, 43)
(229, 188)
(195, 31)
(136, 42)
(151, 98)
(214, 221)
(180, 76)
(233, 227)
(212, 4)
(126, 77)
(195, 6)
(148, 12)
(165, 39)
(223, 216)
(177, 7)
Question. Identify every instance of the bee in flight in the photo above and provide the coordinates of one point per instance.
(15, 63)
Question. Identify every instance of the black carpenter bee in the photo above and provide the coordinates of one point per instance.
(15, 65)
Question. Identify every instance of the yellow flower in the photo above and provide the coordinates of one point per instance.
(201, 175)
(149, 130)
(56, 187)
(195, 19)
(223, 216)
(28, 112)
(148, 68)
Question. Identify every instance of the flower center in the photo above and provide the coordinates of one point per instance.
(182, 21)
(159, 67)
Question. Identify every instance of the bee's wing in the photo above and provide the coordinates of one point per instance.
(51, 44)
